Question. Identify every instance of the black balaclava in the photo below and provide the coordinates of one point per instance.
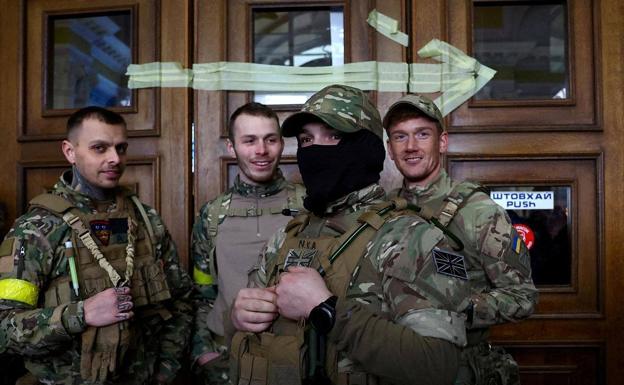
(331, 172)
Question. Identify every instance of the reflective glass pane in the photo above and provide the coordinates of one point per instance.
(542, 217)
(527, 43)
(297, 37)
(87, 59)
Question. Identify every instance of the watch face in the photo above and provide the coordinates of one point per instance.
(322, 318)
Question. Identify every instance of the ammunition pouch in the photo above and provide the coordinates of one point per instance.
(488, 365)
(268, 359)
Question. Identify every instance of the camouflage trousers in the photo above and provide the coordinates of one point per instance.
(215, 372)
(484, 364)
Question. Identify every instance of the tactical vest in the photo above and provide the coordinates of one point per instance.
(282, 355)
(220, 209)
(243, 234)
(148, 283)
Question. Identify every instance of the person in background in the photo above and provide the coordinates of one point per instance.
(230, 230)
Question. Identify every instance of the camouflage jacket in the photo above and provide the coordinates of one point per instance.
(395, 299)
(49, 338)
(278, 194)
(498, 261)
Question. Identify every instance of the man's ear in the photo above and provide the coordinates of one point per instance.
(230, 148)
(443, 142)
(68, 150)
(389, 148)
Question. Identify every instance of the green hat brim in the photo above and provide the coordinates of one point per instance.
(293, 124)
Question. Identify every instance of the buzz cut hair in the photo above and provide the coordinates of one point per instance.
(252, 109)
(404, 112)
(74, 123)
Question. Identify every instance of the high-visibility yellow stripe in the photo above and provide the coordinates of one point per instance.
(202, 278)
(19, 290)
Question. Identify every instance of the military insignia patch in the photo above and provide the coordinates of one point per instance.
(516, 244)
(450, 264)
(299, 257)
(102, 230)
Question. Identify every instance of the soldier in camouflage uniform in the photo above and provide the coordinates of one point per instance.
(91, 290)
(234, 226)
(496, 258)
(357, 291)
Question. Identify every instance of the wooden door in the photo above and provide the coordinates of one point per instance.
(52, 50)
(569, 144)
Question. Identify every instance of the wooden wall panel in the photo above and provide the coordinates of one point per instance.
(584, 298)
(568, 363)
(39, 123)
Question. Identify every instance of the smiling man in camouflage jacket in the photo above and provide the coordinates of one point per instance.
(91, 290)
(496, 258)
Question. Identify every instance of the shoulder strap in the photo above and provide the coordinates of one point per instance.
(52, 202)
(296, 194)
(456, 199)
(216, 210)
(145, 217)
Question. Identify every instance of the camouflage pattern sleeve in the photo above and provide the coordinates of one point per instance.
(203, 254)
(506, 262)
(258, 273)
(176, 332)
(30, 258)
(423, 331)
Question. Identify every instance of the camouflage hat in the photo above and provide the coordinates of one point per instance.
(343, 108)
(421, 103)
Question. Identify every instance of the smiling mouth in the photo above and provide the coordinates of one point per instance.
(261, 163)
(413, 159)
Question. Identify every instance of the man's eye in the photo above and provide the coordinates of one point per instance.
(121, 150)
(99, 149)
(398, 138)
(337, 137)
(423, 135)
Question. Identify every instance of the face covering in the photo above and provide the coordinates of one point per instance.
(331, 172)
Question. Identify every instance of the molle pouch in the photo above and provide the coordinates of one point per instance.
(155, 282)
(267, 359)
(95, 285)
(138, 290)
(493, 366)
(59, 292)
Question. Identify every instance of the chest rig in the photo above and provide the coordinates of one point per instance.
(288, 353)
(110, 250)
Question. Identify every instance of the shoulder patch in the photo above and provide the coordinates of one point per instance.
(450, 264)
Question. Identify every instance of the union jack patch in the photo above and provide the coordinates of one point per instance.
(102, 230)
(450, 264)
(299, 257)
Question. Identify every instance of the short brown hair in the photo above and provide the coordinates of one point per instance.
(93, 112)
(253, 109)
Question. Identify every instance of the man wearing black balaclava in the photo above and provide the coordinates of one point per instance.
(334, 296)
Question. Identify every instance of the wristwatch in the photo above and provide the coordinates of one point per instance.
(323, 316)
